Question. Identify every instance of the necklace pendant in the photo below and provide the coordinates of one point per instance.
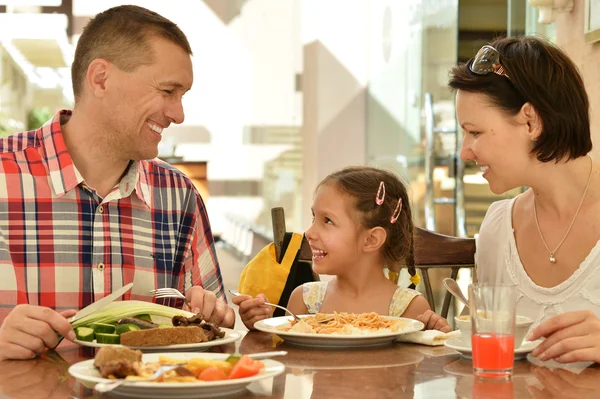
(552, 259)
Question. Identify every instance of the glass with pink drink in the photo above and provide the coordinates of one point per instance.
(493, 318)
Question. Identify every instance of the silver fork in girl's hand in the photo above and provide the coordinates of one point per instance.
(235, 293)
(170, 293)
(109, 386)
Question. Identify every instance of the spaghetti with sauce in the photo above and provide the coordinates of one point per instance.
(344, 323)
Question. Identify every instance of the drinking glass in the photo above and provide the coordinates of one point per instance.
(493, 318)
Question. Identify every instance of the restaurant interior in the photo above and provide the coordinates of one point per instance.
(286, 92)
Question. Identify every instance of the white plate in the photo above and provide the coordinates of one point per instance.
(336, 341)
(230, 336)
(89, 376)
(520, 353)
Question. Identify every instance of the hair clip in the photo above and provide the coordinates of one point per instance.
(380, 194)
(397, 211)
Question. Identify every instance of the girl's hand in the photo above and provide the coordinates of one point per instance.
(252, 309)
(433, 321)
(570, 337)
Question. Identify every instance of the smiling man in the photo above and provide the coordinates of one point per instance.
(84, 206)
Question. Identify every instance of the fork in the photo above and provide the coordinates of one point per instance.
(235, 293)
(102, 387)
(170, 293)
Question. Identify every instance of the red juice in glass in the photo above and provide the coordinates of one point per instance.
(493, 354)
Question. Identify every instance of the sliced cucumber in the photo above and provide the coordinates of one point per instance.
(103, 328)
(107, 338)
(233, 359)
(84, 334)
(123, 328)
(145, 317)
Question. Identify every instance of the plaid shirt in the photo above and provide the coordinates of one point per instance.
(64, 247)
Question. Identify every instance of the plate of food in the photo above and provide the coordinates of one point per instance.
(203, 375)
(158, 330)
(339, 329)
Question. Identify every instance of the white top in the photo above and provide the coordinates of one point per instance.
(497, 260)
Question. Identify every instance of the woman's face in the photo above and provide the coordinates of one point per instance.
(500, 144)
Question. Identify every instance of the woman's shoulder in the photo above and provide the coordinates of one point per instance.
(497, 215)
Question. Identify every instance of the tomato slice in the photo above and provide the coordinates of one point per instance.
(246, 367)
(212, 373)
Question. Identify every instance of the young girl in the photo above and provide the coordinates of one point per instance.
(362, 223)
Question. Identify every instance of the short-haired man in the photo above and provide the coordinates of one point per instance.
(84, 206)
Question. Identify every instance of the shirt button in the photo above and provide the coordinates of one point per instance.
(100, 266)
(100, 209)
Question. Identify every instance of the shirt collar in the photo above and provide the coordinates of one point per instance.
(64, 175)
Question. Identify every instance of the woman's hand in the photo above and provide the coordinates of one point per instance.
(252, 309)
(433, 321)
(570, 337)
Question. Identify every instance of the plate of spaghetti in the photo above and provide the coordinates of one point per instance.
(340, 329)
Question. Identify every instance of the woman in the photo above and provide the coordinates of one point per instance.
(524, 110)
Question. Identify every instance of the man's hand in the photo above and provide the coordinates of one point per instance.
(28, 330)
(433, 321)
(570, 337)
(39, 378)
(212, 309)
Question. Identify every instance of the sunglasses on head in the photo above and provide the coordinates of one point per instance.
(487, 60)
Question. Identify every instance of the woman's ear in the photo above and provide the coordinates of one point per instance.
(529, 116)
(374, 239)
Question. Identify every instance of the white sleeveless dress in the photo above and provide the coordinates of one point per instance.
(497, 260)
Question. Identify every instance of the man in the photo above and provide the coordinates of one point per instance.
(82, 210)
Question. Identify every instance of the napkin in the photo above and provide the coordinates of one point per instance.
(429, 337)
(575, 368)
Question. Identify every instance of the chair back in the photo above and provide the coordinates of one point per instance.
(439, 251)
(301, 271)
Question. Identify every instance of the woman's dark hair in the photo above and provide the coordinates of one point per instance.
(543, 75)
(362, 183)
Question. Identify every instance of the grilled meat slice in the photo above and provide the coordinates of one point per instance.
(118, 369)
(110, 353)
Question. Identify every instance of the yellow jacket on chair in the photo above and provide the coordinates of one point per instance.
(264, 275)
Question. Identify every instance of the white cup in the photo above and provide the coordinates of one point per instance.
(521, 328)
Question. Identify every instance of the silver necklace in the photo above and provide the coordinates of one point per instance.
(552, 258)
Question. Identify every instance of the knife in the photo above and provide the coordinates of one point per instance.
(99, 304)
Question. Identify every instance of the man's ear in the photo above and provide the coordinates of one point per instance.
(375, 238)
(97, 74)
(528, 115)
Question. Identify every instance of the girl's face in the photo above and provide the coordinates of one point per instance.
(498, 143)
(335, 232)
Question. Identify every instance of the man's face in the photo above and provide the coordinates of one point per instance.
(138, 105)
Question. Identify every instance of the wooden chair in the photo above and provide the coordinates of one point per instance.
(432, 251)
(279, 232)
(439, 251)
(301, 271)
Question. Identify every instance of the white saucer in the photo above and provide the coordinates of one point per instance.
(465, 350)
